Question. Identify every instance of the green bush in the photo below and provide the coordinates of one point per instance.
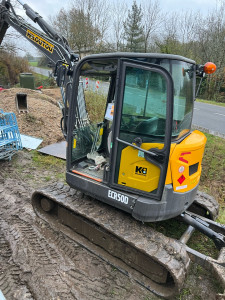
(4, 74)
(10, 67)
(45, 81)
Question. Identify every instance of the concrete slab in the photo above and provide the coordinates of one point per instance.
(57, 150)
(30, 142)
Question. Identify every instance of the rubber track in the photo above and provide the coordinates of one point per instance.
(166, 251)
(208, 203)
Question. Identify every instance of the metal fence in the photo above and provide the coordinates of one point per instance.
(10, 140)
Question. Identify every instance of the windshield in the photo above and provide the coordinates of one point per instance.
(145, 98)
(183, 77)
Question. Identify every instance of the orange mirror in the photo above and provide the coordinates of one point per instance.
(209, 68)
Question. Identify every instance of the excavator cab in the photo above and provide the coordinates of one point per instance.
(129, 133)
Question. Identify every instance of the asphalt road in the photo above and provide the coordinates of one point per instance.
(41, 71)
(209, 117)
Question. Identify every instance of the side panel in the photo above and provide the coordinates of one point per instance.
(123, 201)
(136, 172)
(185, 162)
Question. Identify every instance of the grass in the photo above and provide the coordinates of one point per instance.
(40, 76)
(33, 63)
(184, 293)
(213, 172)
(203, 244)
(46, 161)
(213, 168)
(61, 176)
(54, 166)
(172, 228)
(47, 178)
(211, 102)
(30, 118)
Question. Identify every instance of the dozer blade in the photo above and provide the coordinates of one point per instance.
(154, 261)
(215, 231)
(215, 266)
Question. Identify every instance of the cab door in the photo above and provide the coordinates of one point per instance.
(142, 128)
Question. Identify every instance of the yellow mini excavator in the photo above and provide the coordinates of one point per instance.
(131, 156)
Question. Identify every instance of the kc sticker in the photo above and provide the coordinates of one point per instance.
(141, 171)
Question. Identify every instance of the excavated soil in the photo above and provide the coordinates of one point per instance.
(43, 117)
(38, 261)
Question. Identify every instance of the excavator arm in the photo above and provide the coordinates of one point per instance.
(3, 25)
(49, 42)
(54, 46)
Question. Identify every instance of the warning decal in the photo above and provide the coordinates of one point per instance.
(40, 41)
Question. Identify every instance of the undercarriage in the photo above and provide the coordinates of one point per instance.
(157, 262)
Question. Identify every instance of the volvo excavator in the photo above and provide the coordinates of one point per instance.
(132, 157)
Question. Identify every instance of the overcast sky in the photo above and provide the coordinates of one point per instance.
(48, 8)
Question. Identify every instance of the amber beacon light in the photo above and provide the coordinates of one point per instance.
(209, 68)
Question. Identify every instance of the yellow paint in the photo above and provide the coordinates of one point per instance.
(74, 143)
(101, 132)
(133, 164)
(195, 144)
(40, 41)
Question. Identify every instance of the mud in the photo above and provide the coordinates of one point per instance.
(37, 262)
(40, 262)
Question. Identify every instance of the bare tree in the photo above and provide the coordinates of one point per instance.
(77, 26)
(187, 28)
(168, 38)
(211, 46)
(152, 20)
(118, 16)
(97, 12)
(62, 22)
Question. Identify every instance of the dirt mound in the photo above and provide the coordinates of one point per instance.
(43, 117)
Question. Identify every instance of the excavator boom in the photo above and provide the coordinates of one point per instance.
(54, 46)
(48, 41)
